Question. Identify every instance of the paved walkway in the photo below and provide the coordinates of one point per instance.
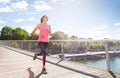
(15, 63)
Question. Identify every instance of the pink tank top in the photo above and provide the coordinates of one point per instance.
(44, 33)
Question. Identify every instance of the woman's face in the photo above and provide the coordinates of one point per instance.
(45, 19)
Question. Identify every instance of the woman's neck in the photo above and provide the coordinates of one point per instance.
(44, 23)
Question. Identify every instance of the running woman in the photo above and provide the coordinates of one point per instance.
(43, 39)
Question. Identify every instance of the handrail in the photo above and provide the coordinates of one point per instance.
(68, 40)
(87, 40)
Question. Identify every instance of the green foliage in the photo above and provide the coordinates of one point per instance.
(110, 44)
(15, 44)
(6, 33)
(32, 37)
(93, 45)
(20, 34)
(73, 37)
(101, 45)
(59, 35)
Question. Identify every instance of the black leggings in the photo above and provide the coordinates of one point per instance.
(43, 46)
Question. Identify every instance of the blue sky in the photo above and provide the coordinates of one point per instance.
(97, 19)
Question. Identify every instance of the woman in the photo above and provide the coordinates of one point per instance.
(43, 39)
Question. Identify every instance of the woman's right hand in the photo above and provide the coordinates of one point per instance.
(35, 29)
(41, 35)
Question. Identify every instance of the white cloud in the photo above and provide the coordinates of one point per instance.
(117, 24)
(1, 21)
(41, 6)
(102, 27)
(19, 20)
(31, 19)
(54, 1)
(1, 27)
(117, 31)
(98, 32)
(28, 28)
(4, 1)
(61, 1)
(6, 9)
(22, 19)
(20, 5)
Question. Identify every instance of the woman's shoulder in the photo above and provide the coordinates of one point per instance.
(39, 25)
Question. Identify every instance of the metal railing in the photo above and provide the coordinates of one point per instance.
(74, 50)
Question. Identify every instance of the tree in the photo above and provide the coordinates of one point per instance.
(32, 37)
(20, 34)
(73, 37)
(59, 35)
(6, 33)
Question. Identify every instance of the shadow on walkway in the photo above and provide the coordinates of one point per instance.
(31, 74)
(38, 75)
(57, 64)
(112, 74)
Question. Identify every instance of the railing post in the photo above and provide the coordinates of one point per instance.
(9, 43)
(62, 51)
(21, 44)
(107, 56)
(29, 44)
(87, 46)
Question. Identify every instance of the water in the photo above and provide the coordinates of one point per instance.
(101, 63)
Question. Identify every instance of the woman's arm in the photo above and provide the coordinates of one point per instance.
(50, 30)
(35, 29)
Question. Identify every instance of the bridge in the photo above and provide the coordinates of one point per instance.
(17, 63)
